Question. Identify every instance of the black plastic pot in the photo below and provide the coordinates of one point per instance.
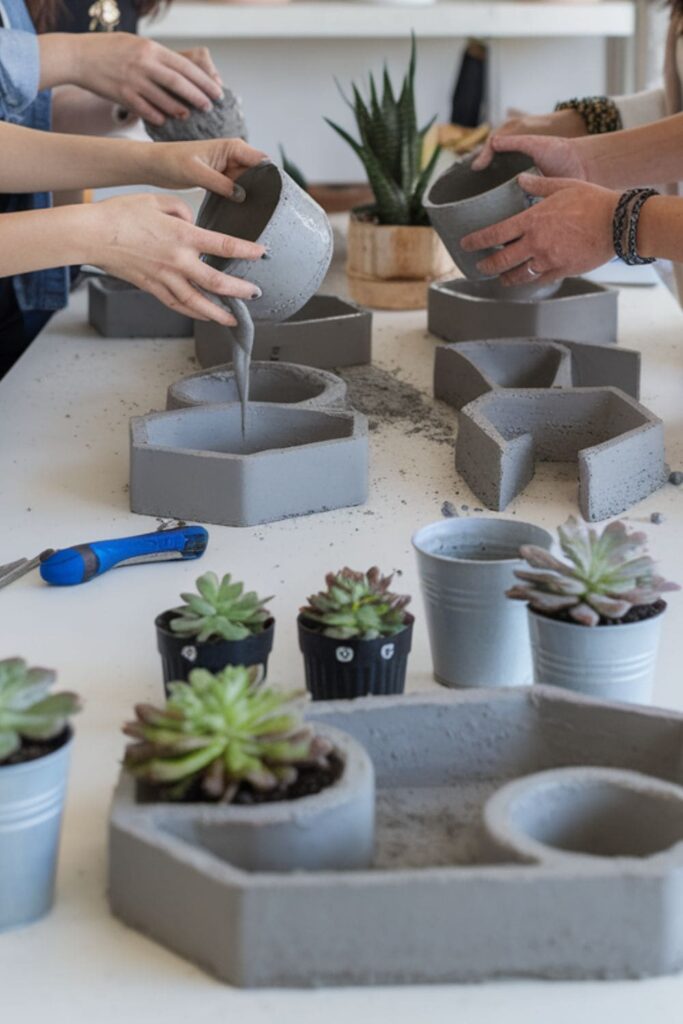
(180, 654)
(354, 668)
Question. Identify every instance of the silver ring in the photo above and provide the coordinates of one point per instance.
(533, 271)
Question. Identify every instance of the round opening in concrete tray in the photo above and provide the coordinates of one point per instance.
(218, 429)
(283, 383)
(589, 812)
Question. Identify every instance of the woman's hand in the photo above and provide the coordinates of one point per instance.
(212, 164)
(142, 76)
(555, 158)
(567, 234)
(150, 240)
(566, 124)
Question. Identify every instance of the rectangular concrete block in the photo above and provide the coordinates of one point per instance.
(118, 309)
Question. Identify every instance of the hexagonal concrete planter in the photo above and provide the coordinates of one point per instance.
(472, 311)
(195, 464)
(464, 372)
(619, 445)
(118, 309)
(326, 332)
(283, 383)
(442, 902)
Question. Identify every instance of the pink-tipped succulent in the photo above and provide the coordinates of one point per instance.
(608, 574)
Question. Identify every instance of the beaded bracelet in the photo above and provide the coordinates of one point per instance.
(600, 114)
(625, 225)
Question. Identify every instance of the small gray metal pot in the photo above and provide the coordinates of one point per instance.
(31, 803)
(462, 201)
(478, 636)
(278, 214)
(608, 662)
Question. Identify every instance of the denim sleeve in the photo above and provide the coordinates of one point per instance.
(19, 72)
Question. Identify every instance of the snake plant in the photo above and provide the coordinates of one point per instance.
(390, 147)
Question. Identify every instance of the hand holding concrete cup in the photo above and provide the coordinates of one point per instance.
(463, 202)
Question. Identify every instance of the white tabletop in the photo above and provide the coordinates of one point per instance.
(64, 413)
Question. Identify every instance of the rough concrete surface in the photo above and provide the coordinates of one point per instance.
(464, 372)
(618, 444)
(117, 309)
(196, 464)
(473, 311)
(438, 906)
(282, 383)
(225, 120)
(327, 332)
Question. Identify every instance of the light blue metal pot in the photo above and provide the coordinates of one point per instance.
(31, 802)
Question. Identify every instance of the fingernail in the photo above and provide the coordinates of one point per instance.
(266, 160)
(266, 255)
(256, 294)
(238, 195)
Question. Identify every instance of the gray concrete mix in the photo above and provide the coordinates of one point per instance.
(282, 383)
(196, 464)
(441, 904)
(327, 332)
(225, 120)
(618, 443)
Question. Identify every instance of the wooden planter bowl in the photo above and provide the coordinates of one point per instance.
(391, 266)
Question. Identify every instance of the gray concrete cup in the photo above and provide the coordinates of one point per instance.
(296, 232)
(462, 201)
(478, 636)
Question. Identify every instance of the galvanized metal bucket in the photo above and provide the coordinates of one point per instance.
(31, 803)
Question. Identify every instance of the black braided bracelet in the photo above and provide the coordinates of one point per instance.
(600, 114)
(625, 225)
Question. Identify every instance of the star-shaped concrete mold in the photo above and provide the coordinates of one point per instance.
(618, 444)
(464, 372)
(461, 889)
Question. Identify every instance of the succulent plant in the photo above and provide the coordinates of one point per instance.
(220, 609)
(221, 731)
(390, 147)
(28, 711)
(608, 574)
(357, 604)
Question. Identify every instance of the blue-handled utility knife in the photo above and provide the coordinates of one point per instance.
(83, 562)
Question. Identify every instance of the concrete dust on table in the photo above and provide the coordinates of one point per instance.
(386, 399)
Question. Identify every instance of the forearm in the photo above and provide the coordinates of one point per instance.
(660, 229)
(80, 112)
(39, 239)
(60, 58)
(639, 156)
(34, 161)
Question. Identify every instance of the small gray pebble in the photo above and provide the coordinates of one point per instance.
(676, 478)
(465, 508)
(657, 518)
(448, 510)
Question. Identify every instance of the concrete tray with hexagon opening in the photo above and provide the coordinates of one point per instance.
(196, 463)
(579, 310)
(326, 332)
(520, 832)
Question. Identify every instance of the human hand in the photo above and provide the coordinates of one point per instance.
(555, 158)
(566, 124)
(144, 77)
(150, 241)
(568, 234)
(212, 164)
(201, 56)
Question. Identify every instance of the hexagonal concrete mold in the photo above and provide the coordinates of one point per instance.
(464, 372)
(195, 463)
(118, 309)
(446, 900)
(283, 383)
(618, 443)
(326, 332)
(579, 311)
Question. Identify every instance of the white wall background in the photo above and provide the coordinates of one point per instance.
(287, 86)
